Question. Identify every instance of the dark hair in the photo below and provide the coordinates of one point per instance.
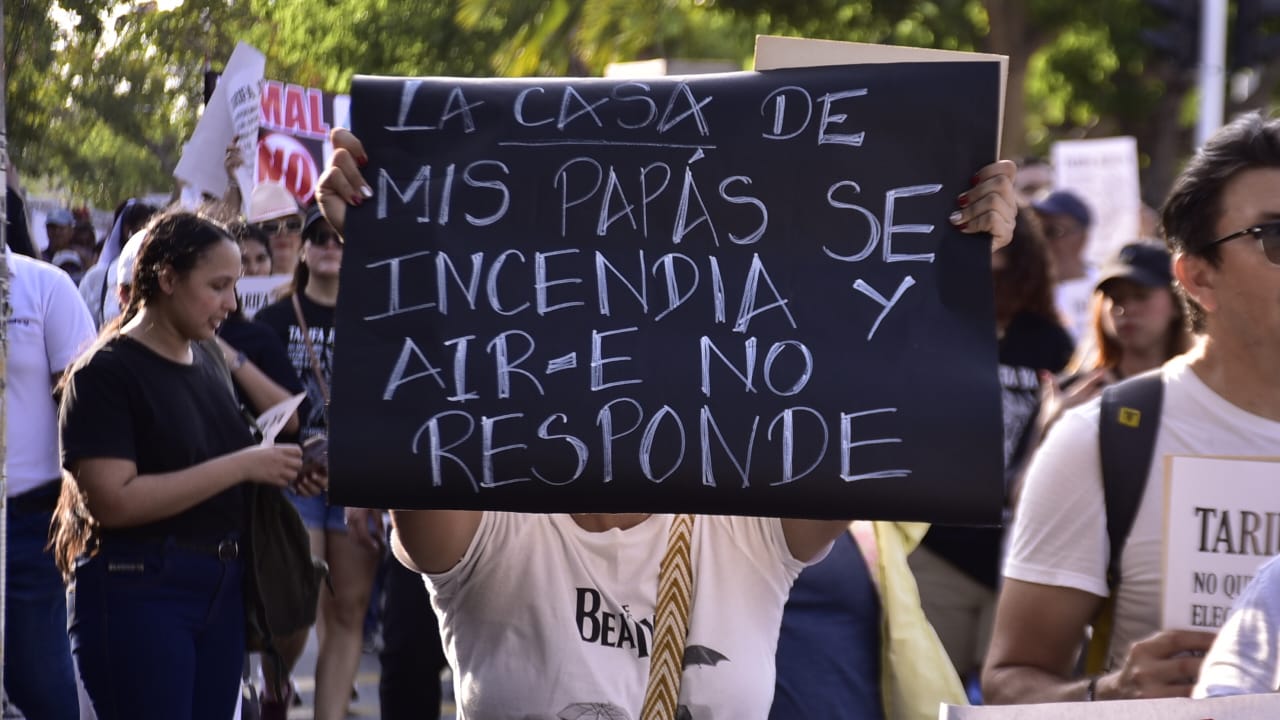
(1023, 284)
(242, 231)
(175, 239)
(132, 213)
(301, 273)
(1191, 212)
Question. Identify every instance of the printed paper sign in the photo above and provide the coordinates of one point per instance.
(258, 292)
(276, 417)
(203, 162)
(293, 143)
(242, 92)
(1104, 173)
(1222, 522)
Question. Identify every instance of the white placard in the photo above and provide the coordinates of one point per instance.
(271, 422)
(258, 292)
(1239, 707)
(1104, 173)
(244, 102)
(1222, 522)
(202, 165)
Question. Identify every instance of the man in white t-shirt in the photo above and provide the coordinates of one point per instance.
(1222, 222)
(48, 328)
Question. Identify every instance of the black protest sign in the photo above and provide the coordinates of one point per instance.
(719, 294)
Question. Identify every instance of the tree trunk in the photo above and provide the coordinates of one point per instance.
(1166, 143)
(1011, 34)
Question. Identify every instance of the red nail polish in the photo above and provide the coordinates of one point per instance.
(364, 160)
(356, 199)
(974, 180)
(962, 226)
(963, 200)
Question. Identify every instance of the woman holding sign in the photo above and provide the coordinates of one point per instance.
(552, 615)
(150, 529)
(303, 320)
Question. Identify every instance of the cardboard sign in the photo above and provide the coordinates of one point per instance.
(732, 293)
(1240, 707)
(1221, 524)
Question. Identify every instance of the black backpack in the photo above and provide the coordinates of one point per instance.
(1128, 423)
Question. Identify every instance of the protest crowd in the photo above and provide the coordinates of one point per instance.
(135, 460)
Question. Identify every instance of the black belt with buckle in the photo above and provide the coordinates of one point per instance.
(223, 549)
(226, 549)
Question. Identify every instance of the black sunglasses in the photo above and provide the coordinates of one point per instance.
(1268, 235)
(275, 227)
(322, 239)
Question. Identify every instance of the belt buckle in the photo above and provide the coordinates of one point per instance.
(228, 550)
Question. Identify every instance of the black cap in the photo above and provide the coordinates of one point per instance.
(313, 216)
(1146, 263)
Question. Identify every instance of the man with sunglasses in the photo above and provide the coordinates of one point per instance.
(1222, 223)
(273, 210)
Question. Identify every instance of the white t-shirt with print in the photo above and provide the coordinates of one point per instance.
(49, 328)
(543, 619)
(1060, 528)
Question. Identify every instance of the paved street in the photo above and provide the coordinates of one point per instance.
(366, 705)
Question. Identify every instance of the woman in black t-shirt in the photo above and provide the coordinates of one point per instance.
(149, 531)
(304, 321)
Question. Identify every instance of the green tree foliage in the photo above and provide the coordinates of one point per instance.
(324, 44)
(101, 104)
(120, 92)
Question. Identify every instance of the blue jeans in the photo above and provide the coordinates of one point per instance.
(317, 513)
(39, 675)
(158, 631)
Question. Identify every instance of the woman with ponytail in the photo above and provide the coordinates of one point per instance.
(149, 531)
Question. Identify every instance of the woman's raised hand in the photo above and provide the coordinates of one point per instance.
(342, 184)
(990, 206)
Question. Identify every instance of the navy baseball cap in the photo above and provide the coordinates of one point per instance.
(1147, 263)
(1064, 202)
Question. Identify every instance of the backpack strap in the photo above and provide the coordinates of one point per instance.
(1128, 422)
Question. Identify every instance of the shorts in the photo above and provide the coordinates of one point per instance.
(317, 513)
